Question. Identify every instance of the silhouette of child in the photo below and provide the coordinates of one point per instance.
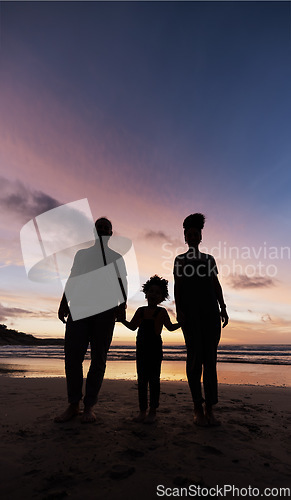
(150, 320)
(200, 308)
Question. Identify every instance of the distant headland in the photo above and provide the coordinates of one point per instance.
(13, 337)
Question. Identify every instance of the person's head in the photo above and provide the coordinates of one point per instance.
(193, 225)
(103, 226)
(156, 290)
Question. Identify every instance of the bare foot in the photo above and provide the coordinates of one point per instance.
(70, 413)
(88, 416)
(199, 418)
(211, 419)
(140, 417)
(151, 417)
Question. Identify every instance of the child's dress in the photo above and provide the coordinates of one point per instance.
(149, 354)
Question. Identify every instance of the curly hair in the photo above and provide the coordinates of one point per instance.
(157, 281)
(194, 220)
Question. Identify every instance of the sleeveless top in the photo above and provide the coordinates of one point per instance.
(146, 335)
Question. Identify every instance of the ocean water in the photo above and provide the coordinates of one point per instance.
(256, 354)
(264, 365)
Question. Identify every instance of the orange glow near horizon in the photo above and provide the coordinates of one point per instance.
(66, 152)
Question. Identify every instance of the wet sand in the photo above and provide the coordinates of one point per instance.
(115, 458)
(228, 373)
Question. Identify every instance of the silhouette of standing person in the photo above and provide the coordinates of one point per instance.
(150, 320)
(200, 308)
(93, 329)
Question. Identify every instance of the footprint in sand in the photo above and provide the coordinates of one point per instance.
(121, 471)
(132, 453)
(212, 450)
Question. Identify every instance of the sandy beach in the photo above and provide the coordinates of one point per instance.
(115, 458)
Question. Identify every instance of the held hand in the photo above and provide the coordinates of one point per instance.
(120, 313)
(63, 314)
(120, 316)
(224, 317)
(180, 317)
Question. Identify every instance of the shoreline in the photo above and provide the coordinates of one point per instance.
(229, 373)
(115, 458)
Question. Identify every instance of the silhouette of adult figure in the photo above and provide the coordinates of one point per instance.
(200, 308)
(93, 329)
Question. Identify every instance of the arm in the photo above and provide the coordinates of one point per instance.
(177, 295)
(219, 296)
(64, 310)
(134, 323)
(168, 323)
(122, 279)
(121, 308)
(177, 290)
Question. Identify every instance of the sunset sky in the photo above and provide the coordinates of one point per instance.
(152, 111)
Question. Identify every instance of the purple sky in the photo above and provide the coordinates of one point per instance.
(151, 111)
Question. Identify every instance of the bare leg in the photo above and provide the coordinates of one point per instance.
(152, 415)
(140, 417)
(88, 416)
(199, 417)
(69, 413)
(212, 420)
